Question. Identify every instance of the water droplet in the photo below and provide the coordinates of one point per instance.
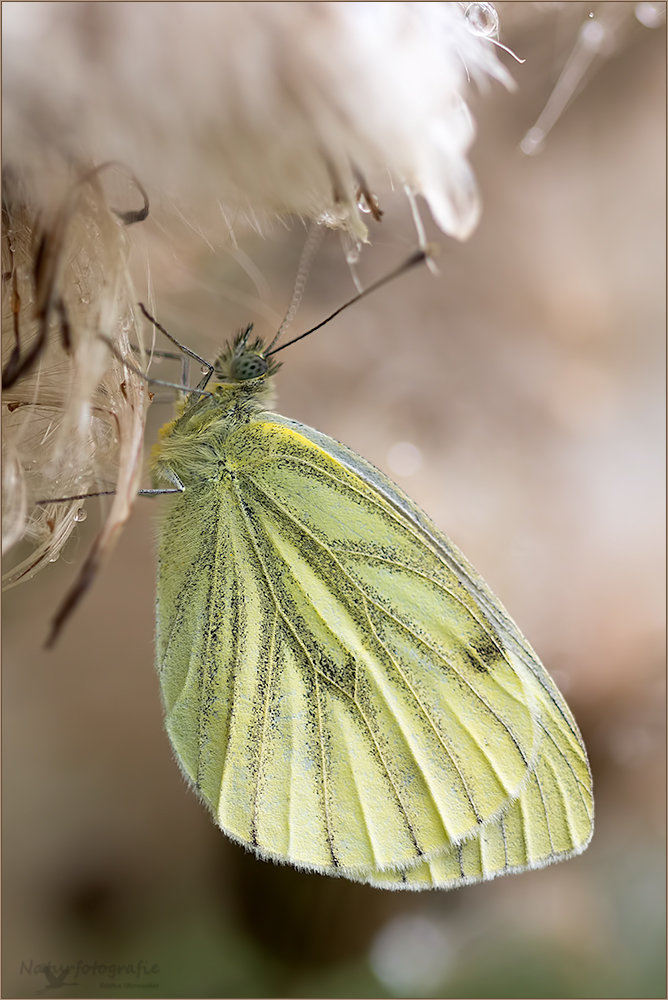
(533, 141)
(81, 514)
(363, 203)
(404, 459)
(482, 19)
(84, 300)
(353, 254)
(55, 558)
(328, 219)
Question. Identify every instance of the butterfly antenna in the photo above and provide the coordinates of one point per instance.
(415, 258)
(165, 333)
(313, 241)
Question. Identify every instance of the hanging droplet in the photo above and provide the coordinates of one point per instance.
(364, 206)
(482, 19)
(81, 514)
(532, 141)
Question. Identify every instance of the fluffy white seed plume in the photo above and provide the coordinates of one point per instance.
(273, 107)
(221, 111)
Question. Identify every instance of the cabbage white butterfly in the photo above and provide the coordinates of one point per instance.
(341, 688)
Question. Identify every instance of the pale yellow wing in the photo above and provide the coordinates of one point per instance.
(343, 690)
(549, 821)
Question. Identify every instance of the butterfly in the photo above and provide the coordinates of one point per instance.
(340, 687)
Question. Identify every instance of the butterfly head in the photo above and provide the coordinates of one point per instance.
(244, 360)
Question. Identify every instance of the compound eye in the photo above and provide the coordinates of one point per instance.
(249, 366)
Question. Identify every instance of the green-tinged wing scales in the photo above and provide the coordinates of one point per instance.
(342, 689)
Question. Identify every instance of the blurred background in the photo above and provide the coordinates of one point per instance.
(518, 397)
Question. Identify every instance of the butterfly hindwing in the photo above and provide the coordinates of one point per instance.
(343, 690)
